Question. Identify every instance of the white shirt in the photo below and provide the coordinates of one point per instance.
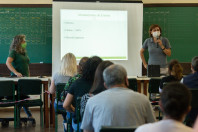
(167, 125)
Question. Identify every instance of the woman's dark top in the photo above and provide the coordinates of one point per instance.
(79, 88)
(20, 62)
(167, 79)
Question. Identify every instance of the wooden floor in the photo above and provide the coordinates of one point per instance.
(29, 127)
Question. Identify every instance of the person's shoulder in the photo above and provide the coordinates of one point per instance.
(98, 96)
(188, 76)
(165, 40)
(148, 40)
(145, 128)
(12, 51)
(56, 75)
(168, 78)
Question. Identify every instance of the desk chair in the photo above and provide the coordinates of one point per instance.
(29, 87)
(7, 94)
(59, 89)
(133, 84)
(117, 129)
(76, 117)
(153, 90)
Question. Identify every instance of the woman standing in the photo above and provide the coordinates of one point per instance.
(18, 61)
(158, 48)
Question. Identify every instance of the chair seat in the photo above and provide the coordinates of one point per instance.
(7, 105)
(30, 103)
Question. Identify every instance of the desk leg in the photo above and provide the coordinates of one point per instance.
(46, 109)
(145, 86)
(139, 86)
(52, 110)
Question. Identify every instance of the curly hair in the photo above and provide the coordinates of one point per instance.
(16, 44)
(175, 67)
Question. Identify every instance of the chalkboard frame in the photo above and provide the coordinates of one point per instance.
(27, 5)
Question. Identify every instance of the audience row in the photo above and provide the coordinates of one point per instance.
(106, 100)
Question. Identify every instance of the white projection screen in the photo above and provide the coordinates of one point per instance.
(97, 31)
(112, 31)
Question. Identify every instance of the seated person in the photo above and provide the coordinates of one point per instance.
(68, 69)
(175, 103)
(82, 85)
(97, 87)
(175, 74)
(191, 81)
(118, 105)
(74, 78)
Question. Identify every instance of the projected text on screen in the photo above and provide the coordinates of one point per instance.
(94, 32)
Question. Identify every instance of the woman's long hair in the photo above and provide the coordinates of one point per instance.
(176, 68)
(16, 44)
(98, 84)
(68, 65)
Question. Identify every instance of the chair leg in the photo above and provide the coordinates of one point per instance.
(15, 116)
(41, 116)
(56, 122)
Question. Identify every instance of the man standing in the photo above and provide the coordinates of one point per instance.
(117, 106)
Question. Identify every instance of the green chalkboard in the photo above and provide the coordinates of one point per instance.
(35, 23)
(179, 25)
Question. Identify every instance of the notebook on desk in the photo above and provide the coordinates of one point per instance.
(153, 71)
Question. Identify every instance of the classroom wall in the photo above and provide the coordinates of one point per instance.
(50, 1)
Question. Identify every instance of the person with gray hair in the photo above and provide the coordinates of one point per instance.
(115, 75)
(117, 106)
(191, 81)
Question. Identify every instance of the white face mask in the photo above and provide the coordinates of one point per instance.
(156, 34)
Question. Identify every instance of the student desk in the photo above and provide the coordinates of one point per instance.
(45, 86)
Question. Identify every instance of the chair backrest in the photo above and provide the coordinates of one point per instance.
(194, 103)
(133, 84)
(7, 88)
(117, 129)
(59, 89)
(153, 89)
(154, 85)
(78, 116)
(153, 71)
(29, 87)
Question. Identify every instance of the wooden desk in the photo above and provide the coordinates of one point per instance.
(145, 81)
(45, 88)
